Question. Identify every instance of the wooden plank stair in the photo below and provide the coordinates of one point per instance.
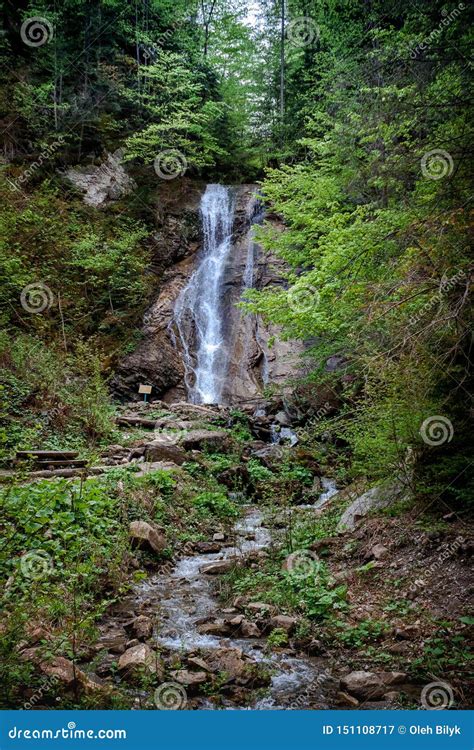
(51, 459)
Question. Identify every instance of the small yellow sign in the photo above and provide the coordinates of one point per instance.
(144, 388)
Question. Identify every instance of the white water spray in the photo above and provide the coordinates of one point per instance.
(197, 313)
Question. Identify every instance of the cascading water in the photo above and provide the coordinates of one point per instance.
(197, 312)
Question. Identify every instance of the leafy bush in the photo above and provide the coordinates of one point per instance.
(215, 504)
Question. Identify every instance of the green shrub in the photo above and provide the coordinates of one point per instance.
(215, 504)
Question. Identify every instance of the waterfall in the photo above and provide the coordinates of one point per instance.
(197, 312)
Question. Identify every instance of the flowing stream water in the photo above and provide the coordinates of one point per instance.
(186, 598)
(197, 313)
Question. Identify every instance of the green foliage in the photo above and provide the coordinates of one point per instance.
(215, 504)
(448, 650)
(376, 248)
(171, 93)
(367, 631)
(44, 519)
(50, 399)
(278, 637)
(258, 472)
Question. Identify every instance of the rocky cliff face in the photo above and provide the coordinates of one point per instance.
(251, 362)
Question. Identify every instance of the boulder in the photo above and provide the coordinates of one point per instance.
(249, 629)
(379, 552)
(139, 659)
(283, 621)
(344, 699)
(370, 685)
(199, 439)
(380, 496)
(219, 536)
(184, 677)
(207, 548)
(164, 450)
(102, 184)
(143, 535)
(142, 627)
(113, 639)
(236, 621)
(282, 418)
(62, 670)
(219, 566)
(260, 608)
(198, 663)
(228, 660)
(270, 456)
(218, 627)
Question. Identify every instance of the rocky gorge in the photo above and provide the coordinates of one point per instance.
(255, 354)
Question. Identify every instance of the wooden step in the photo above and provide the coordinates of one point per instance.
(56, 464)
(40, 455)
